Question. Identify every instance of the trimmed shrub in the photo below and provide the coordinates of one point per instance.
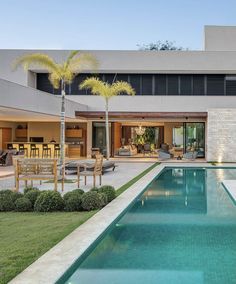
(29, 188)
(96, 189)
(78, 190)
(91, 200)
(103, 199)
(49, 201)
(5, 191)
(72, 193)
(73, 203)
(109, 191)
(16, 195)
(6, 202)
(23, 204)
(13, 194)
(32, 195)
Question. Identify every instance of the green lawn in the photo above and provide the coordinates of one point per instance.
(26, 236)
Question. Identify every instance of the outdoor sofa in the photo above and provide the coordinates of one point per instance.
(128, 150)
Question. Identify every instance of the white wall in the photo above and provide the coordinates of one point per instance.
(221, 135)
(25, 98)
(131, 61)
(47, 130)
(220, 38)
(157, 103)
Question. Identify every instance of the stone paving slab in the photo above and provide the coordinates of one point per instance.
(6, 171)
(230, 186)
(122, 174)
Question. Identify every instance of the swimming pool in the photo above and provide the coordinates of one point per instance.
(180, 230)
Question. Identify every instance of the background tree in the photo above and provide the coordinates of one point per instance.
(107, 91)
(159, 45)
(60, 75)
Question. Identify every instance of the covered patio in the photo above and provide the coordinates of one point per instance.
(143, 134)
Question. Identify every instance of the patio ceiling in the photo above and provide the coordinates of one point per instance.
(17, 115)
(140, 115)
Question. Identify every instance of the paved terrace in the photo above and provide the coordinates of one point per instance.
(122, 174)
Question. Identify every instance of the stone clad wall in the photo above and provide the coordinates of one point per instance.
(221, 135)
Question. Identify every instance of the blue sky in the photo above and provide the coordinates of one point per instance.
(109, 24)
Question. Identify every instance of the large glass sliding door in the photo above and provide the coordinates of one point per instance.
(191, 137)
(194, 137)
(99, 136)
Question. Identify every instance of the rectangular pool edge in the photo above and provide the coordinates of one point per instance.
(54, 264)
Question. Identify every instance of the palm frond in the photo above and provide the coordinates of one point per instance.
(54, 80)
(37, 60)
(67, 75)
(83, 61)
(96, 86)
(70, 57)
(106, 90)
(122, 87)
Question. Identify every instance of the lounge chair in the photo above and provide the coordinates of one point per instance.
(6, 157)
(71, 167)
(97, 171)
(190, 155)
(164, 155)
(3, 158)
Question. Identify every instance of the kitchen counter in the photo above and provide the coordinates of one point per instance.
(72, 149)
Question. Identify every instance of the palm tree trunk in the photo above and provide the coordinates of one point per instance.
(62, 133)
(107, 131)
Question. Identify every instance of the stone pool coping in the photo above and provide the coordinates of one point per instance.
(230, 186)
(55, 262)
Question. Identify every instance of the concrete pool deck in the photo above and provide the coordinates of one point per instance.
(121, 175)
(230, 186)
(51, 266)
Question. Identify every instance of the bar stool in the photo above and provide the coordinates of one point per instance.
(46, 151)
(10, 146)
(34, 151)
(57, 149)
(22, 148)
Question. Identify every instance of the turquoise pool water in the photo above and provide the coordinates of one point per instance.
(181, 230)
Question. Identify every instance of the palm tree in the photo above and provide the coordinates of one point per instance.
(60, 75)
(107, 91)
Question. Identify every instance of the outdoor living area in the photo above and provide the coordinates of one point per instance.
(165, 140)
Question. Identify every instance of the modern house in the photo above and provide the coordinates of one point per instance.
(187, 99)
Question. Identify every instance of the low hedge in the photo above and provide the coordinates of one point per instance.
(6, 192)
(72, 193)
(91, 201)
(103, 199)
(29, 188)
(32, 195)
(73, 200)
(8, 198)
(49, 201)
(109, 191)
(96, 189)
(6, 202)
(23, 204)
(74, 203)
(16, 195)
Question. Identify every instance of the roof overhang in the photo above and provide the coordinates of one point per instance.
(139, 115)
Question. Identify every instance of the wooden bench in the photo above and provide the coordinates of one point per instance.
(36, 169)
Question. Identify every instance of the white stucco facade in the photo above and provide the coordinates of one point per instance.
(18, 93)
